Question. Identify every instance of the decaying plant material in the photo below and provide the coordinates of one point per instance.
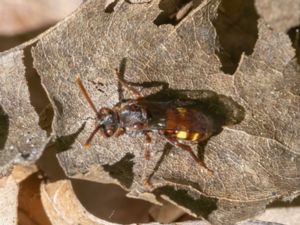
(254, 152)
(22, 140)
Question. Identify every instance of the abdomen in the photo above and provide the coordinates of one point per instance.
(187, 124)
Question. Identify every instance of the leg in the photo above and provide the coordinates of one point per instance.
(85, 94)
(125, 84)
(147, 182)
(166, 150)
(147, 151)
(88, 141)
(187, 148)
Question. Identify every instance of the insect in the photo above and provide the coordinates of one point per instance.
(174, 120)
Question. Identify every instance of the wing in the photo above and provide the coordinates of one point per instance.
(182, 119)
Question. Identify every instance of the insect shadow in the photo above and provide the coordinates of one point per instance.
(4, 125)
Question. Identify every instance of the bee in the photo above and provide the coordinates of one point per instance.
(177, 121)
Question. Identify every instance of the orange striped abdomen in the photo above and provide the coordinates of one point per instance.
(187, 124)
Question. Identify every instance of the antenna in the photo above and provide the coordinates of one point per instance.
(88, 141)
(85, 93)
(89, 100)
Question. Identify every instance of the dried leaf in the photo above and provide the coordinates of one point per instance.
(30, 207)
(21, 138)
(167, 213)
(255, 157)
(10, 198)
(8, 203)
(62, 206)
(282, 215)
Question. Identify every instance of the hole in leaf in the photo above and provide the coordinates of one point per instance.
(236, 26)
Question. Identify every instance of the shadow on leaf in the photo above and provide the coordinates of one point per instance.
(201, 207)
(294, 34)
(4, 125)
(38, 97)
(122, 170)
(63, 143)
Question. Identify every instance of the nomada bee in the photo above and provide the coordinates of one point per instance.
(174, 120)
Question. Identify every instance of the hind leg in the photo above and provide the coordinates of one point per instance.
(187, 148)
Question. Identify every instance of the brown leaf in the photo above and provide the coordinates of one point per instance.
(8, 203)
(21, 138)
(11, 207)
(62, 206)
(30, 207)
(255, 158)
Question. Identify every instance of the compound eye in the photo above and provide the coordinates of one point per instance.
(138, 126)
(110, 132)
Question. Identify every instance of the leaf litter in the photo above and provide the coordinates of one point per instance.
(254, 154)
